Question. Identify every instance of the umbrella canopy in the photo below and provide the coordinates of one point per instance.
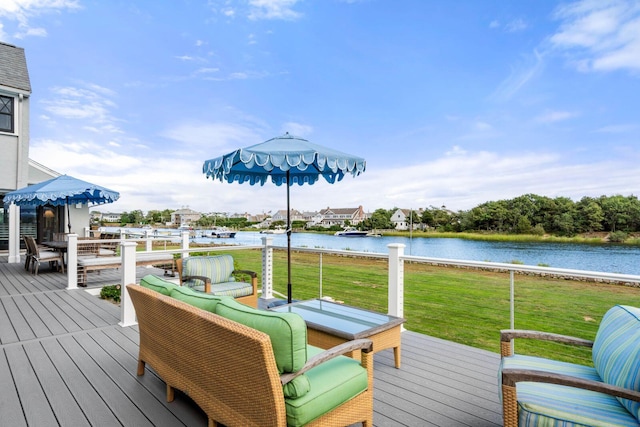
(62, 190)
(288, 160)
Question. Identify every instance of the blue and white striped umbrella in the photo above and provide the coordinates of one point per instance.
(288, 160)
(59, 191)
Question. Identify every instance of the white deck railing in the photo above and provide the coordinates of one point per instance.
(396, 259)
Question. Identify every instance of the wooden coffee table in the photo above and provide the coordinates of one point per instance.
(330, 324)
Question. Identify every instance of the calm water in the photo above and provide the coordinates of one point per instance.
(608, 258)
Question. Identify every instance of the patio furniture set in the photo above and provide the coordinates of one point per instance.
(290, 381)
(284, 371)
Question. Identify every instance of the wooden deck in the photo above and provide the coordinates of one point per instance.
(64, 360)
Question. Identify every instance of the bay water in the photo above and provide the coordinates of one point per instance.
(608, 258)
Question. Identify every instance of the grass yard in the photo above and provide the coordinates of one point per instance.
(460, 305)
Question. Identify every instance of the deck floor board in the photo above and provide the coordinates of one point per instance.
(64, 360)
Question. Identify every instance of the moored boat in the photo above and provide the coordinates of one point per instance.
(351, 232)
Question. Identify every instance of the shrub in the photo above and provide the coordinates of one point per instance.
(111, 292)
(618, 237)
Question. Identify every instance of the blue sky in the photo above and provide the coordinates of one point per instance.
(451, 103)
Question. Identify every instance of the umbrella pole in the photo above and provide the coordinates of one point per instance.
(288, 244)
(68, 216)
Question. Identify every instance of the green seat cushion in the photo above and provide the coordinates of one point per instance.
(331, 384)
(157, 284)
(288, 331)
(217, 268)
(201, 300)
(551, 405)
(616, 351)
(231, 289)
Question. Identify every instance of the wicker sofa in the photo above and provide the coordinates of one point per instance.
(543, 392)
(248, 367)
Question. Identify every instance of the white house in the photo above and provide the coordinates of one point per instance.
(402, 219)
(185, 216)
(341, 215)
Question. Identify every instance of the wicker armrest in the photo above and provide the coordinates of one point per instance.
(512, 376)
(365, 345)
(506, 335)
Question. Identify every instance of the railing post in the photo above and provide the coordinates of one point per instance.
(267, 268)
(128, 254)
(14, 234)
(72, 261)
(396, 279)
(185, 244)
(149, 241)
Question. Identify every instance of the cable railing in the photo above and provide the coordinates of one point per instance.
(458, 300)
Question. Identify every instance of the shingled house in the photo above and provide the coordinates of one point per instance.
(16, 169)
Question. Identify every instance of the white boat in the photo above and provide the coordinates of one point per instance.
(277, 230)
(223, 233)
(351, 232)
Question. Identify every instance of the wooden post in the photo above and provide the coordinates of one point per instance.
(128, 254)
(72, 261)
(396, 279)
(267, 268)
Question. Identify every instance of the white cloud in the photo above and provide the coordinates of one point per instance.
(297, 129)
(516, 25)
(23, 11)
(273, 9)
(600, 36)
(91, 104)
(555, 116)
(520, 76)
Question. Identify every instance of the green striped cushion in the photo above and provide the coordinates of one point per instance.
(232, 289)
(551, 405)
(518, 361)
(218, 268)
(616, 351)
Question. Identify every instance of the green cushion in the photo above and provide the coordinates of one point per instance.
(288, 331)
(331, 384)
(231, 289)
(157, 284)
(206, 302)
(217, 268)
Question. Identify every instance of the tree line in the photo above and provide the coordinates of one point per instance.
(528, 214)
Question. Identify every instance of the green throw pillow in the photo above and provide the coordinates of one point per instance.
(201, 300)
(157, 284)
(288, 331)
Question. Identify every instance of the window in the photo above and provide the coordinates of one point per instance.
(6, 113)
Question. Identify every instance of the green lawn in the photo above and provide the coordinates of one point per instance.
(461, 305)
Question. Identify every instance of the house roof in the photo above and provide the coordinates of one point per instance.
(339, 211)
(13, 68)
